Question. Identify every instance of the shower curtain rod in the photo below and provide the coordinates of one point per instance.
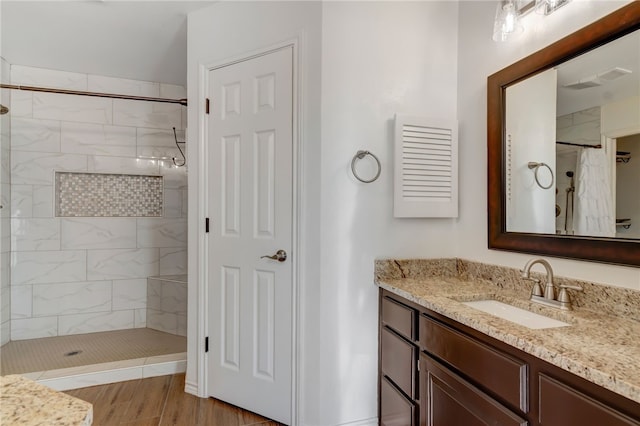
(579, 144)
(94, 94)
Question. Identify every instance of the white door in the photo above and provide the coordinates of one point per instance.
(250, 204)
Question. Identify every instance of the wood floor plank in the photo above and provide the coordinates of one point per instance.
(117, 393)
(108, 415)
(217, 413)
(181, 408)
(249, 418)
(154, 421)
(109, 403)
(161, 401)
(149, 398)
(90, 394)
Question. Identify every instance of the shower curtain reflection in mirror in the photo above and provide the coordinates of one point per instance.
(594, 213)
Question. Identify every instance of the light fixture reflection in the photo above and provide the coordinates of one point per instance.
(547, 7)
(506, 23)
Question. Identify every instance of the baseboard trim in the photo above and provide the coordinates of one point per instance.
(191, 388)
(373, 421)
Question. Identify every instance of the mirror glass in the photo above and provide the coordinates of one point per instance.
(571, 148)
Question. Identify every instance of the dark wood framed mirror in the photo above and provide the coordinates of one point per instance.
(613, 250)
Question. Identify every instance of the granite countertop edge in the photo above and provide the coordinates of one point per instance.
(570, 348)
(25, 402)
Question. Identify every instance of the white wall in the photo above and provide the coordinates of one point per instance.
(362, 62)
(376, 59)
(530, 130)
(87, 274)
(478, 58)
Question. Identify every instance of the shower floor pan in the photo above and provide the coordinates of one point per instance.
(70, 362)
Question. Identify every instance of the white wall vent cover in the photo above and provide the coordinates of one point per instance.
(425, 167)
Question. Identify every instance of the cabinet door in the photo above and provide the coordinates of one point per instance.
(562, 405)
(398, 361)
(450, 400)
(495, 371)
(395, 408)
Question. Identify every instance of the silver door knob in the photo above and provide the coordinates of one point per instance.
(280, 256)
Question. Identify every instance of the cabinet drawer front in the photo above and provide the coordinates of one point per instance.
(451, 400)
(562, 405)
(399, 317)
(503, 375)
(398, 358)
(395, 408)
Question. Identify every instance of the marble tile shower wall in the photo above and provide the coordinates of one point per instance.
(5, 212)
(582, 127)
(88, 274)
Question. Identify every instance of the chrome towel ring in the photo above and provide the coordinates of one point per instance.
(359, 156)
(535, 167)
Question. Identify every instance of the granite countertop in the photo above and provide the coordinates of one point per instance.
(25, 402)
(601, 348)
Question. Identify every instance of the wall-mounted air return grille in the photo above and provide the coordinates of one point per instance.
(426, 173)
(426, 163)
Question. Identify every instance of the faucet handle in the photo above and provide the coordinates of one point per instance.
(536, 290)
(563, 295)
(572, 287)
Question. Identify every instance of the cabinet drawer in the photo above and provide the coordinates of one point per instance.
(451, 400)
(395, 408)
(562, 405)
(505, 376)
(399, 317)
(398, 359)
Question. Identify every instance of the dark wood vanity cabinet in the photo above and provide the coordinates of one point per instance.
(451, 400)
(561, 404)
(398, 363)
(437, 372)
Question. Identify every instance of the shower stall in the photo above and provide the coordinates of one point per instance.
(93, 227)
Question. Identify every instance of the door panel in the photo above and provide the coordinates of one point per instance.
(229, 344)
(264, 183)
(250, 167)
(264, 327)
(231, 185)
(562, 405)
(451, 400)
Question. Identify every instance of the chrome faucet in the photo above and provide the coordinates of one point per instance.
(548, 297)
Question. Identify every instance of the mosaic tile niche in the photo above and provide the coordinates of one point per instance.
(108, 195)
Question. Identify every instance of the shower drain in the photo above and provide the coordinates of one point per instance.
(72, 353)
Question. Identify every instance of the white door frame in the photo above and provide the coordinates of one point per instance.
(203, 179)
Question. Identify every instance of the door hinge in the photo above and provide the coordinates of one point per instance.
(206, 106)
(206, 224)
(206, 344)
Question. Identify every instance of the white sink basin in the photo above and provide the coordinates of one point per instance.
(517, 315)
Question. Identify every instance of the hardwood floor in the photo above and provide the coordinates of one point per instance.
(161, 401)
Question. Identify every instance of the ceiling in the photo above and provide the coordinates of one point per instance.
(140, 40)
(621, 53)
